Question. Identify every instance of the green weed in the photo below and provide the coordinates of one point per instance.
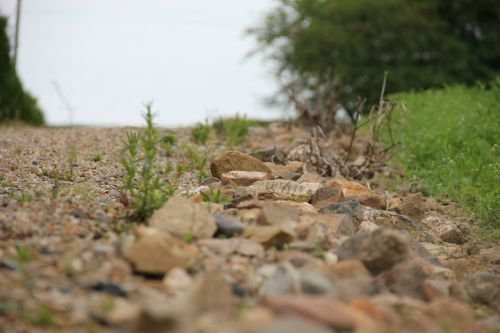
(168, 142)
(201, 133)
(147, 191)
(235, 130)
(215, 196)
(97, 157)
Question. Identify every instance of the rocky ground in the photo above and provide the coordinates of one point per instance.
(278, 242)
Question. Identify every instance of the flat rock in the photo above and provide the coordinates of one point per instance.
(290, 324)
(443, 229)
(281, 189)
(156, 252)
(271, 235)
(241, 246)
(302, 207)
(365, 196)
(378, 250)
(315, 227)
(350, 207)
(327, 195)
(413, 206)
(282, 172)
(243, 178)
(236, 161)
(180, 217)
(273, 214)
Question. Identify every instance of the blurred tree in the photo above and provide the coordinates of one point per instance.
(421, 43)
(15, 102)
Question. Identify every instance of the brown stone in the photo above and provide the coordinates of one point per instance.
(444, 229)
(181, 216)
(413, 206)
(334, 225)
(327, 195)
(234, 160)
(243, 178)
(295, 166)
(281, 189)
(156, 252)
(270, 235)
(273, 214)
(353, 190)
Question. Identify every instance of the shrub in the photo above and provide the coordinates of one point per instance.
(200, 133)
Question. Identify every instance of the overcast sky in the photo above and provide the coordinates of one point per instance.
(110, 56)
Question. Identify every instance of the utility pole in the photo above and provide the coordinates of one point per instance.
(16, 36)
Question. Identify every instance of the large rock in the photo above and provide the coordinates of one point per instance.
(273, 214)
(156, 252)
(378, 250)
(281, 189)
(243, 178)
(234, 160)
(318, 227)
(353, 190)
(181, 217)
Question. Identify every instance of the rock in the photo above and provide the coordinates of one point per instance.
(295, 166)
(236, 161)
(311, 226)
(406, 279)
(177, 280)
(239, 246)
(458, 315)
(483, 287)
(302, 207)
(351, 280)
(280, 189)
(273, 154)
(110, 288)
(413, 206)
(446, 251)
(227, 226)
(310, 178)
(365, 196)
(181, 216)
(243, 178)
(273, 214)
(379, 250)
(326, 196)
(443, 229)
(322, 309)
(349, 207)
(211, 294)
(289, 324)
(123, 313)
(271, 235)
(156, 252)
(282, 172)
(367, 226)
(436, 288)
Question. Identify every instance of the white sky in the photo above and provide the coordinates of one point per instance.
(110, 56)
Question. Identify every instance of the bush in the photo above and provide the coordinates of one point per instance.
(15, 103)
(235, 130)
(449, 143)
(422, 44)
(201, 133)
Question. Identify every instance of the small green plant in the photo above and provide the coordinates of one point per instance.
(43, 316)
(200, 133)
(188, 237)
(235, 130)
(66, 174)
(97, 157)
(23, 197)
(142, 183)
(168, 141)
(24, 254)
(197, 161)
(215, 196)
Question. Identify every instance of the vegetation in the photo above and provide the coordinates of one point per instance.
(147, 191)
(234, 130)
(449, 145)
(331, 52)
(15, 103)
(201, 133)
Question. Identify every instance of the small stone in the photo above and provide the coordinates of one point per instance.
(444, 229)
(211, 293)
(446, 251)
(272, 214)
(273, 154)
(365, 196)
(239, 246)
(236, 161)
(483, 287)
(177, 280)
(406, 279)
(181, 216)
(289, 324)
(412, 206)
(156, 252)
(295, 166)
(379, 250)
(281, 189)
(302, 207)
(368, 226)
(227, 226)
(436, 288)
(334, 225)
(110, 288)
(310, 178)
(282, 172)
(243, 178)
(123, 313)
(349, 207)
(271, 235)
(326, 196)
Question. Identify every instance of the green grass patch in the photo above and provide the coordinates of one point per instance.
(449, 144)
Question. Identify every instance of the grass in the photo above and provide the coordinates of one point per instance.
(449, 144)
(234, 130)
(201, 133)
(142, 183)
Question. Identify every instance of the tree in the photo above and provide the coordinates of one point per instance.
(15, 102)
(422, 44)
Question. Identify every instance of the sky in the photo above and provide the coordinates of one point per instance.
(109, 57)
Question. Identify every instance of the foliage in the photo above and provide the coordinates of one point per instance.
(422, 44)
(449, 144)
(235, 130)
(168, 142)
(141, 181)
(215, 196)
(200, 133)
(15, 103)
